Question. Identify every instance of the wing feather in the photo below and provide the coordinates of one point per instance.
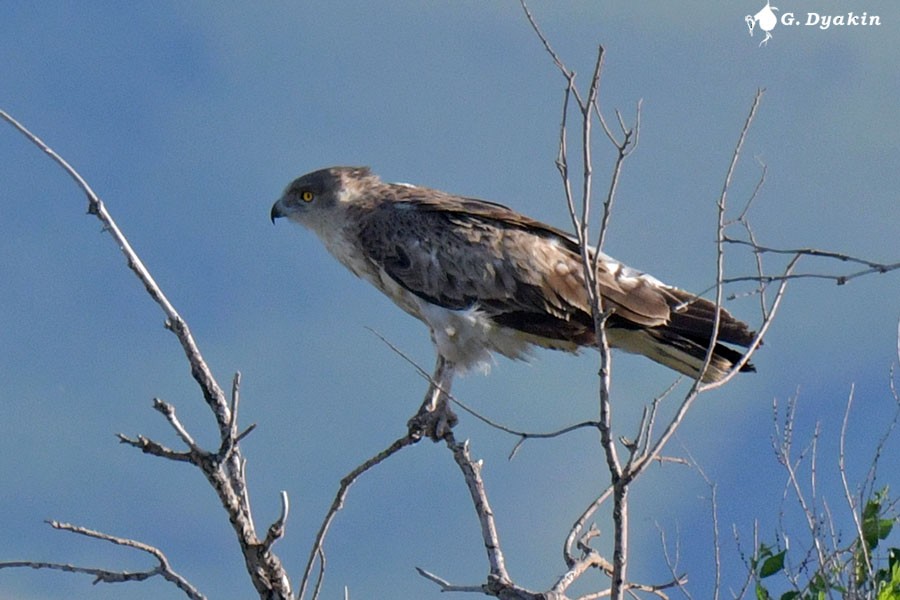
(456, 251)
(461, 253)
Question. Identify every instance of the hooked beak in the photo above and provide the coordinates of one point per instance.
(276, 212)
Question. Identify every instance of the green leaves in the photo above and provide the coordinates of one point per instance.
(889, 579)
(874, 527)
(765, 564)
(773, 564)
(848, 570)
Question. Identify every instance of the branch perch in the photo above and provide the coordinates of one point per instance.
(225, 471)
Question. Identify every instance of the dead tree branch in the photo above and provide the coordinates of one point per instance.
(163, 568)
(643, 448)
(224, 469)
(827, 563)
(871, 267)
(318, 548)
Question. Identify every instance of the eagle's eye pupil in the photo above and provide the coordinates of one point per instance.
(306, 195)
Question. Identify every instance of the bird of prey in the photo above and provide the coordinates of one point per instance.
(486, 279)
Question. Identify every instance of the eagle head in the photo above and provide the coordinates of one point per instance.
(315, 195)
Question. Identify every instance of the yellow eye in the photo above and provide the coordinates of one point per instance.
(306, 196)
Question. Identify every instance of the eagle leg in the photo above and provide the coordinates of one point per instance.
(435, 418)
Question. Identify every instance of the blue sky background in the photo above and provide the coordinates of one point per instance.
(189, 119)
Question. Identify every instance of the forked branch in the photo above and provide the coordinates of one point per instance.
(318, 549)
(224, 468)
(163, 568)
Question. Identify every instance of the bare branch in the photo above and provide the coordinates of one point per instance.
(199, 369)
(163, 568)
(641, 462)
(231, 439)
(446, 586)
(872, 267)
(648, 418)
(720, 245)
(591, 560)
(624, 149)
(714, 514)
(743, 222)
(338, 503)
(226, 474)
(529, 435)
(570, 75)
(276, 529)
(783, 445)
(168, 411)
(472, 473)
(578, 527)
(842, 469)
(672, 564)
(590, 263)
(882, 441)
(148, 446)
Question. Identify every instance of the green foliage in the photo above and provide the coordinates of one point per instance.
(889, 578)
(847, 572)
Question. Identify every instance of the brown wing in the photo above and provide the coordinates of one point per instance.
(636, 297)
(459, 253)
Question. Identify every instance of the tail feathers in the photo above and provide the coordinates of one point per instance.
(682, 342)
(693, 317)
(683, 354)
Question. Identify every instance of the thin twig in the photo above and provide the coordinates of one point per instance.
(174, 322)
(498, 582)
(714, 510)
(230, 441)
(784, 451)
(839, 256)
(338, 503)
(522, 435)
(163, 568)
(882, 441)
(529, 435)
(148, 446)
(656, 448)
(852, 504)
(648, 420)
(226, 476)
(168, 411)
(743, 221)
(578, 527)
(276, 529)
(720, 237)
(872, 267)
(445, 585)
(471, 471)
(672, 563)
